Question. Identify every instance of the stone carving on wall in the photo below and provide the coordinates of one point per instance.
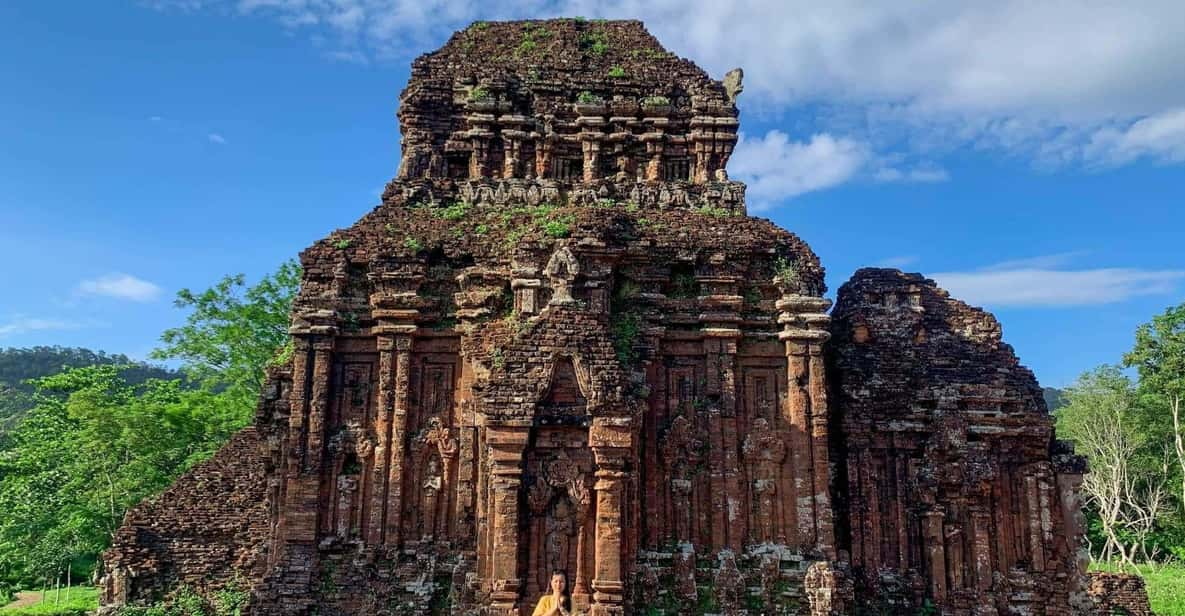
(764, 451)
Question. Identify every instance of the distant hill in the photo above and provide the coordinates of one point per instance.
(1054, 398)
(19, 365)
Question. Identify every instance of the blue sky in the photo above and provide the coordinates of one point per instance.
(1032, 162)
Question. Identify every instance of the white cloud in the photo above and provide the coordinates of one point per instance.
(20, 324)
(1040, 282)
(120, 286)
(216, 138)
(925, 174)
(776, 168)
(898, 262)
(1060, 83)
(1160, 138)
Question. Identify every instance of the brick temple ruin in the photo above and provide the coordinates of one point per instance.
(560, 342)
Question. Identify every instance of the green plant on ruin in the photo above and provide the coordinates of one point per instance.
(605, 203)
(588, 98)
(787, 272)
(480, 94)
(648, 53)
(481, 229)
(594, 42)
(526, 46)
(560, 227)
(532, 34)
(480, 25)
(412, 244)
(453, 212)
(516, 323)
(625, 324)
(632, 206)
(231, 600)
(656, 101)
(717, 212)
(328, 585)
(341, 244)
(514, 236)
(443, 594)
(498, 360)
(617, 72)
(349, 322)
(684, 285)
(706, 601)
(445, 324)
(753, 295)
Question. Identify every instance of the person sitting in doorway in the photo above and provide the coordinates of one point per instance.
(557, 603)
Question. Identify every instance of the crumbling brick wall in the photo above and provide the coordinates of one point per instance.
(1118, 594)
(207, 529)
(953, 490)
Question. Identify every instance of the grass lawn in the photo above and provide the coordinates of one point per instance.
(1166, 586)
(82, 599)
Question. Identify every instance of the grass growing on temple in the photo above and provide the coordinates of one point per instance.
(1165, 584)
(54, 602)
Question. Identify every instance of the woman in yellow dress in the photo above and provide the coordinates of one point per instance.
(557, 603)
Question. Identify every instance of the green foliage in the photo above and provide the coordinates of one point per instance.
(233, 332)
(625, 324)
(453, 212)
(787, 271)
(100, 438)
(341, 244)
(480, 25)
(684, 285)
(93, 447)
(595, 42)
(588, 98)
(19, 366)
(481, 229)
(479, 94)
(560, 227)
(1133, 435)
(716, 212)
(648, 53)
(412, 244)
(54, 602)
(532, 34)
(526, 46)
(617, 72)
(656, 101)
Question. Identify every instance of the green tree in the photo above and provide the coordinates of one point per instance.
(1159, 357)
(92, 447)
(233, 332)
(1101, 416)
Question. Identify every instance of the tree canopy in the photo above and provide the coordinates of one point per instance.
(98, 433)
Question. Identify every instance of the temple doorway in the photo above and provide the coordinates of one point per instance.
(559, 525)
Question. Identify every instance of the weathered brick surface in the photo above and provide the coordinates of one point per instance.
(560, 342)
(209, 527)
(1118, 594)
(955, 489)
